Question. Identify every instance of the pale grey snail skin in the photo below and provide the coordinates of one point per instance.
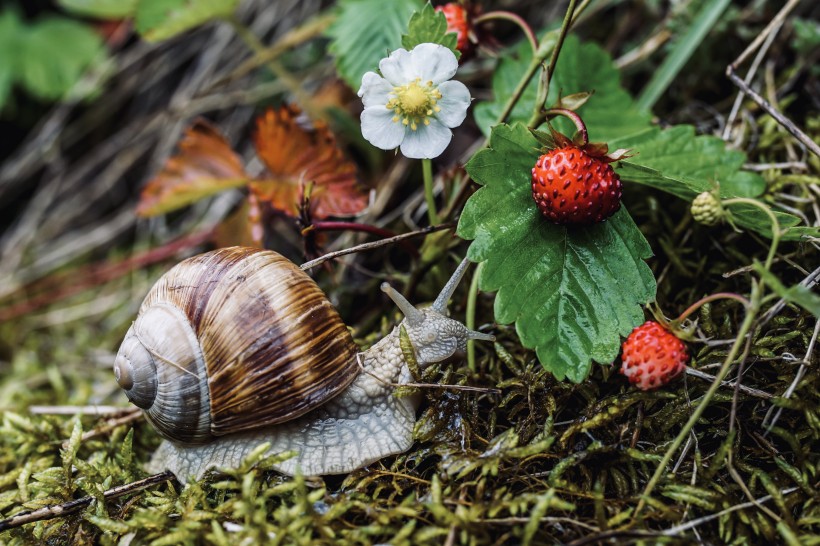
(359, 425)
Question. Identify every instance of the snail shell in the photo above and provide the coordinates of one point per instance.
(233, 340)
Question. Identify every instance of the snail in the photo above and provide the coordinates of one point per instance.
(238, 346)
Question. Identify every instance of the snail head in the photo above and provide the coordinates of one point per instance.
(434, 336)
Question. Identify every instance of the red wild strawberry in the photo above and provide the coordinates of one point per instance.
(652, 356)
(571, 186)
(458, 21)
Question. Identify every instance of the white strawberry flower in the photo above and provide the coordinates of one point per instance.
(413, 104)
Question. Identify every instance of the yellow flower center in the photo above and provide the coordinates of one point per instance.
(414, 103)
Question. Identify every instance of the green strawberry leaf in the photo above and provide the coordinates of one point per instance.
(366, 31)
(429, 26)
(677, 161)
(54, 54)
(158, 20)
(571, 291)
(797, 294)
(609, 113)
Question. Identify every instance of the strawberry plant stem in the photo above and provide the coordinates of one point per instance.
(544, 85)
(748, 320)
(427, 169)
(472, 295)
(508, 16)
(576, 119)
(772, 218)
(752, 308)
(523, 83)
(719, 296)
(567, 22)
(546, 45)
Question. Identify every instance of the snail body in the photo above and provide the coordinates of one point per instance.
(237, 347)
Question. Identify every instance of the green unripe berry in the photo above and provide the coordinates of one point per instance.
(706, 209)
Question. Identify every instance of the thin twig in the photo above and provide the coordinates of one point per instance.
(730, 384)
(134, 414)
(749, 76)
(374, 244)
(795, 165)
(75, 410)
(778, 19)
(71, 507)
(644, 50)
(769, 424)
(678, 529)
(780, 118)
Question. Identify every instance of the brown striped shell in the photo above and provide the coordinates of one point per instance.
(232, 340)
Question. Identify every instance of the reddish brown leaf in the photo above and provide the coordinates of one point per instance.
(204, 166)
(296, 157)
(243, 227)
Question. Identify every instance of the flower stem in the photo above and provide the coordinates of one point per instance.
(472, 295)
(427, 169)
(508, 16)
(713, 297)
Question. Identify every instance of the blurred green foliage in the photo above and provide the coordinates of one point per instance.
(47, 57)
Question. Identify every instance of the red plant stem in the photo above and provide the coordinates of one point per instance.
(719, 296)
(509, 16)
(576, 119)
(64, 285)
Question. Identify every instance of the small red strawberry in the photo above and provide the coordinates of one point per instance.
(458, 21)
(653, 356)
(570, 186)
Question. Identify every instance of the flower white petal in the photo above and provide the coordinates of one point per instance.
(427, 142)
(455, 99)
(397, 68)
(433, 62)
(379, 129)
(375, 90)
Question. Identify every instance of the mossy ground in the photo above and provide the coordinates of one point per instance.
(530, 460)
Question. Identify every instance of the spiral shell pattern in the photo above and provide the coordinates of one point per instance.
(233, 340)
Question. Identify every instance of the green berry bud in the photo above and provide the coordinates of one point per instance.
(706, 209)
